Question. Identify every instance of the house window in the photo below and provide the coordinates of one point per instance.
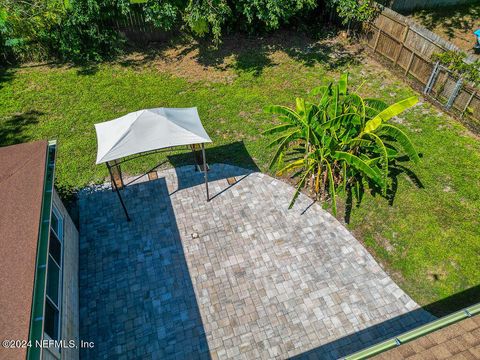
(54, 277)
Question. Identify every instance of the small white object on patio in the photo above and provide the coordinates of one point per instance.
(147, 130)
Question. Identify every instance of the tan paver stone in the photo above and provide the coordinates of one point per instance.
(238, 277)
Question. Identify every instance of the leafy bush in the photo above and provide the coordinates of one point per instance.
(340, 142)
(353, 12)
(84, 30)
(82, 35)
(162, 14)
(25, 27)
(205, 16)
(455, 61)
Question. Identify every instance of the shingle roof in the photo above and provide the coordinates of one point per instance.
(22, 170)
(457, 341)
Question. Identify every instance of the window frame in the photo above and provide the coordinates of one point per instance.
(58, 233)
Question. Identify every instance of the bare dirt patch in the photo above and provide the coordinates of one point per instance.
(197, 60)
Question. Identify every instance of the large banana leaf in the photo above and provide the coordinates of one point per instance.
(374, 106)
(360, 165)
(300, 185)
(331, 189)
(319, 90)
(284, 111)
(343, 84)
(337, 121)
(281, 138)
(388, 113)
(401, 138)
(358, 142)
(300, 106)
(384, 155)
(355, 103)
(340, 141)
(278, 129)
(282, 147)
(292, 166)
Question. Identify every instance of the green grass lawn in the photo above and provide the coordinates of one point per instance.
(428, 240)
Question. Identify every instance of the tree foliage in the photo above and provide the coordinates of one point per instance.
(83, 35)
(204, 16)
(455, 61)
(25, 27)
(83, 30)
(353, 12)
(340, 142)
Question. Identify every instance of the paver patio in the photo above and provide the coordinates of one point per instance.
(238, 277)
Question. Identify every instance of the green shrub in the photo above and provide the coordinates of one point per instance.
(25, 28)
(205, 16)
(84, 30)
(341, 142)
(455, 61)
(354, 12)
(82, 35)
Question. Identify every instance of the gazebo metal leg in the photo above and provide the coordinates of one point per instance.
(205, 170)
(118, 192)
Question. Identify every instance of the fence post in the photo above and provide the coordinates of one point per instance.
(468, 103)
(455, 92)
(432, 78)
(410, 63)
(376, 40)
(401, 45)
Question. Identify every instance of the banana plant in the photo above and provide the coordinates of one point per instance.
(339, 141)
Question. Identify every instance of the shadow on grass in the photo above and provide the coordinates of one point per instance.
(455, 302)
(252, 54)
(451, 18)
(6, 75)
(88, 69)
(355, 196)
(239, 52)
(13, 129)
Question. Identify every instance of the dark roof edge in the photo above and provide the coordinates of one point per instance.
(416, 333)
(40, 280)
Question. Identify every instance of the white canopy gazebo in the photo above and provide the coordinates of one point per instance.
(147, 131)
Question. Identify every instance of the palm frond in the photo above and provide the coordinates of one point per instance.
(388, 113)
(358, 164)
(384, 155)
(401, 138)
(282, 147)
(277, 129)
(331, 187)
(300, 185)
(284, 111)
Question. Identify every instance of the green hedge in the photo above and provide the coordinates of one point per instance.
(78, 31)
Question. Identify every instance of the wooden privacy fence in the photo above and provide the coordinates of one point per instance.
(135, 27)
(410, 48)
(402, 5)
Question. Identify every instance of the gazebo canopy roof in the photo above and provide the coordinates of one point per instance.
(147, 130)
